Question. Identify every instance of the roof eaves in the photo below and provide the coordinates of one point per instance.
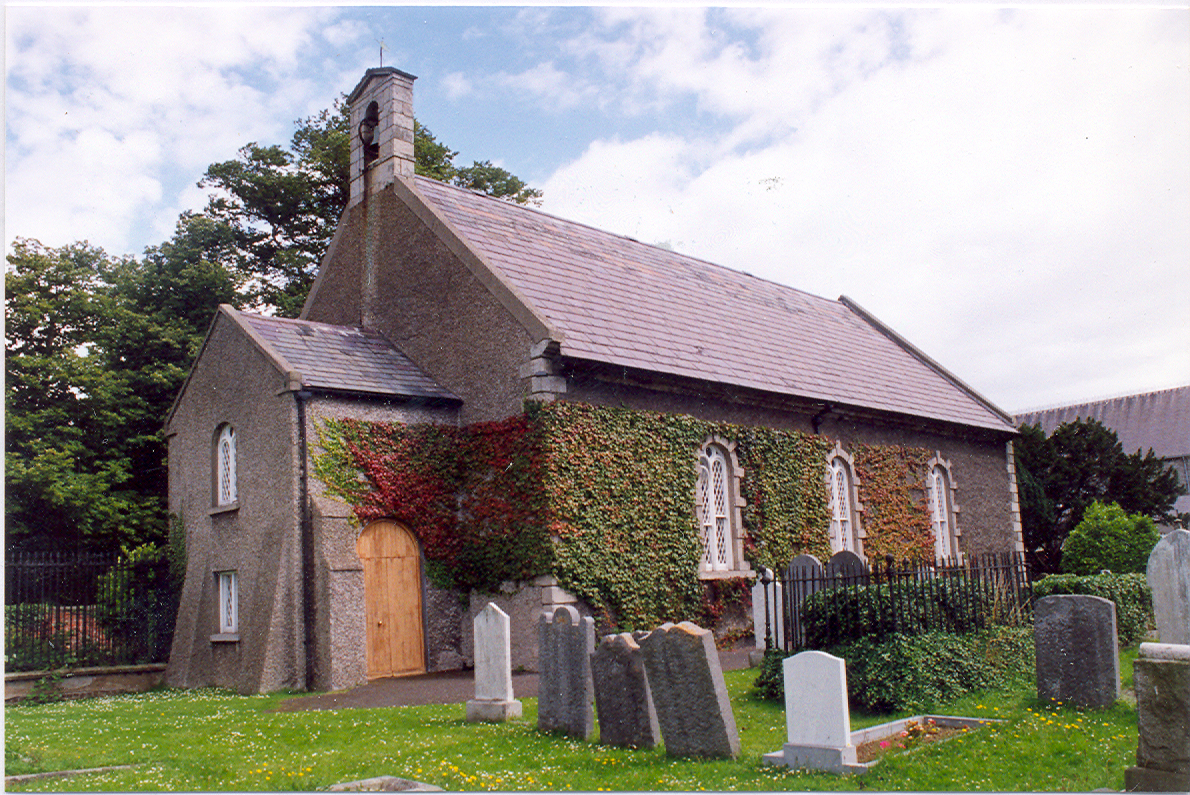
(504, 292)
(377, 71)
(933, 365)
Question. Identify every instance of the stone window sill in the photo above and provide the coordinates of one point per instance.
(726, 575)
(231, 506)
(226, 638)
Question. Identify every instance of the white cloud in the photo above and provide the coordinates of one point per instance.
(112, 111)
(1010, 191)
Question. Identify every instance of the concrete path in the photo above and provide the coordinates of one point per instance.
(451, 687)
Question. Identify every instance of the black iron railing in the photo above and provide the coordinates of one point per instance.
(80, 609)
(813, 606)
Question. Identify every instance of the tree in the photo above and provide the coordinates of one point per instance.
(1108, 538)
(283, 205)
(62, 407)
(99, 346)
(97, 349)
(1059, 477)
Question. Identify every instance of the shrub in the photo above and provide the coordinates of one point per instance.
(138, 603)
(955, 605)
(1130, 593)
(917, 672)
(1108, 538)
(770, 684)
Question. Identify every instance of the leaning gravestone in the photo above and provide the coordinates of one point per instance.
(1077, 658)
(564, 691)
(817, 716)
(493, 668)
(1168, 574)
(622, 697)
(1161, 676)
(689, 692)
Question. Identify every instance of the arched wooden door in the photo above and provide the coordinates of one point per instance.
(392, 590)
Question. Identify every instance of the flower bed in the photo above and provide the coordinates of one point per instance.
(908, 733)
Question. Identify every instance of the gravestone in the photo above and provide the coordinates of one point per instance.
(622, 697)
(565, 695)
(493, 668)
(689, 693)
(805, 576)
(1168, 574)
(1077, 658)
(847, 566)
(1161, 676)
(768, 597)
(817, 716)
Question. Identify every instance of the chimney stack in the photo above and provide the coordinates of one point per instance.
(381, 112)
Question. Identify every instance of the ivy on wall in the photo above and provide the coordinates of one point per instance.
(602, 498)
(471, 495)
(892, 491)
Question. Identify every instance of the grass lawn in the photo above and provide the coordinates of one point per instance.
(215, 740)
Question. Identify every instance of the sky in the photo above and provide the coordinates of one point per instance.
(1008, 189)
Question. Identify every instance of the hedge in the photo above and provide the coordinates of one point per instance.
(1130, 593)
(919, 672)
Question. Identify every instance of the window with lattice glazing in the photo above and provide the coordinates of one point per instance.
(225, 465)
(942, 513)
(715, 509)
(842, 530)
(229, 608)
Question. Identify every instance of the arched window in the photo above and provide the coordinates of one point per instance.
(845, 533)
(713, 500)
(943, 511)
(718, 509)
(225, 466)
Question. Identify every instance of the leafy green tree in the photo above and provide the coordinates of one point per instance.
(283, 205)
(98, 346)
(1108, 538)
(1080, 463)
(63, 409)
(97, 349)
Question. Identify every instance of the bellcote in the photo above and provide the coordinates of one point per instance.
(381, 112)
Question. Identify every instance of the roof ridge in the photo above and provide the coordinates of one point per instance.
(629, 238)
(1097, 400)
(274, 318)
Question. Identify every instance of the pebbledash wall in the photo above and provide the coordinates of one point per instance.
(397, 268)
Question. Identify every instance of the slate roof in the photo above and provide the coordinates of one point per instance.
(339, 358)
(1158, 420)
(619, 301)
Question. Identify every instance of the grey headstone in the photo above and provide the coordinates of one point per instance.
(622, 697)
(1161, 676)
(1168, 574)
(689, 692)
(1077, 658)
(565, 694)
(846, 565)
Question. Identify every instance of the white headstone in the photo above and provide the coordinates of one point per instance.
(817, 718)
(1168, 574)
(776, 624)
(816, 710)
(493, 668)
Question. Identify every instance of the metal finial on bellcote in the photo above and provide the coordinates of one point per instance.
(381, 43)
